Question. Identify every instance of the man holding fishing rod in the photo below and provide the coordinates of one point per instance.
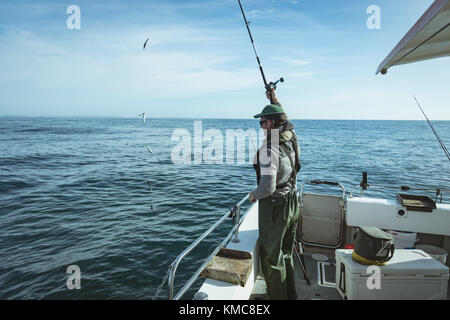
(277, 164)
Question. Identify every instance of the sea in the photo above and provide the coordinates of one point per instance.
(98, 208)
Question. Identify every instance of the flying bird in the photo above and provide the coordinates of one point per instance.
(143, 116)
(149, 185)
(145, 44)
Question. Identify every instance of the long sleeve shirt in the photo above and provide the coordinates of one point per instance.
(276, 169)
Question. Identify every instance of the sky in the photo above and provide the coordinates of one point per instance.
(199, 62)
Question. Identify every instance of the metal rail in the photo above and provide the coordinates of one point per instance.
(173, 267)
(438, 191)
(364, 186)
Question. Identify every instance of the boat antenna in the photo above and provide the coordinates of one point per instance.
(271, 85)
(434, 131)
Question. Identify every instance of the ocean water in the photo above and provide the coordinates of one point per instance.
(74, 191)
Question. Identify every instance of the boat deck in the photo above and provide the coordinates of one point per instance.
(321, 274)
(319, 211)
(317, 289)
(321, 271)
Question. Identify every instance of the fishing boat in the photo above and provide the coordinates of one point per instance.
(329, 223)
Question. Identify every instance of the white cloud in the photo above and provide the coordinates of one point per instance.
(300, 74)
(254, 14)
(291, 61)
(357, 103)
(112, 67)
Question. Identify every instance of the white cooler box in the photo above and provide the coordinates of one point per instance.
(409, 275)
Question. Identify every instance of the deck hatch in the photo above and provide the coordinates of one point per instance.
(229, 265)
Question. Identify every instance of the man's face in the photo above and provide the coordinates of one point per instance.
(266, 124)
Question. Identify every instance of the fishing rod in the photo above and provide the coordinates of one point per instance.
(268, 86)
(434, 131)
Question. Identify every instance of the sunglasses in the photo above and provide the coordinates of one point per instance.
(262, 122)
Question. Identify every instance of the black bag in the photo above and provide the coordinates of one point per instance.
(373, 245)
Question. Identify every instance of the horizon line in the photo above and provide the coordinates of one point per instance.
(204, 118)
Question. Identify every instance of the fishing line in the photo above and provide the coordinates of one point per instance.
(151, 190)
(434, 131)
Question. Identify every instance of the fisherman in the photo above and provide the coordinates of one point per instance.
(277, 163)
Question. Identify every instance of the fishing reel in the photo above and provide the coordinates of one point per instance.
(273, 85)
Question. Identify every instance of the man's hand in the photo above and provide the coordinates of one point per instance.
(274, 96)
(251, 198)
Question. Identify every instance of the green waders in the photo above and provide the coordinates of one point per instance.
(278, 220)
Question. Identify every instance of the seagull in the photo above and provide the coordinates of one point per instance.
(149, 185)
(143, 116)
(145, 44)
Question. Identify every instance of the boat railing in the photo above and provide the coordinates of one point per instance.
(438, 192)
(364, 185)
(235, 213)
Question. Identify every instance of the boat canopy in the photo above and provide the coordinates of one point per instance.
(429, 38)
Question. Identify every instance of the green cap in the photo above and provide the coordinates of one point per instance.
(270, 109)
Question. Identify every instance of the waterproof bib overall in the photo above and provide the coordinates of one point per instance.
(278, 220)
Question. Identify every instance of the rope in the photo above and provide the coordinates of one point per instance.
(158, 291)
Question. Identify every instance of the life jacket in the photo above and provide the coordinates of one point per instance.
(286, 137)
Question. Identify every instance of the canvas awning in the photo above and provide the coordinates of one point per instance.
(429, 38)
